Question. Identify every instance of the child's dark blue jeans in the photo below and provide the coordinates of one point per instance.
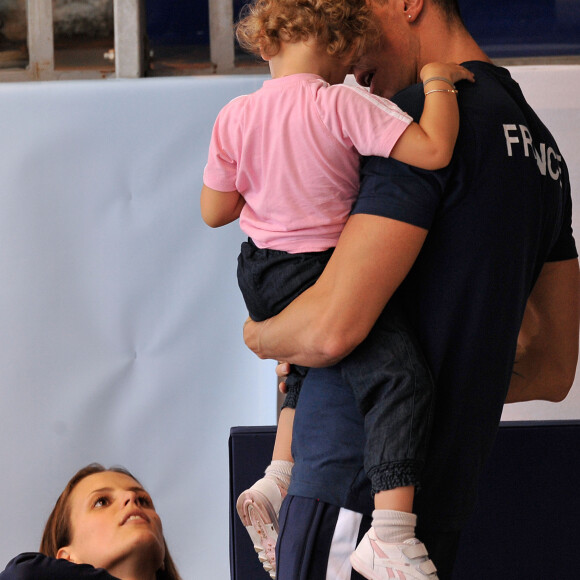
(388, 374)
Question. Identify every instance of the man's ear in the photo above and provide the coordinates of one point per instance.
(64, 554)
(413, 8)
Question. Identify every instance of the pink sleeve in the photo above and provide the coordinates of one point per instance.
(220, 172)
(370, 123)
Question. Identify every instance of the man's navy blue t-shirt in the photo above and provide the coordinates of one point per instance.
(494, 216)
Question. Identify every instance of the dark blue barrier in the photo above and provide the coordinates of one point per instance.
(526, 523)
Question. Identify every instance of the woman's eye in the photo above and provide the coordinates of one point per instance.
(145, 501)
(101, 502)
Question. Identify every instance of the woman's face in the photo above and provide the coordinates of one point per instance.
(113, 524)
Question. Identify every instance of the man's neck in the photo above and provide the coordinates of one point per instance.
(444, 42)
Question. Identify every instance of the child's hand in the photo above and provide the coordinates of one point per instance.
(446, 70)
(282, 370)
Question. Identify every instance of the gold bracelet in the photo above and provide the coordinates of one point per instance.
(439, 79)
(455, 91)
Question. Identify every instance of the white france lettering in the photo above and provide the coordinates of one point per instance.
(509, 139)
(554, 173)
(548, 161)
(541, 158)
(527, 140)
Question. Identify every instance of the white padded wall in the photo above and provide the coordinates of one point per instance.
(120, 314)
(121, 319)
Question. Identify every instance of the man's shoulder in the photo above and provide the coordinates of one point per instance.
(488, 77)
(411, 100)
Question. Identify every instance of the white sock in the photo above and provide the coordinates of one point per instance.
(281, 471)
(394, 527)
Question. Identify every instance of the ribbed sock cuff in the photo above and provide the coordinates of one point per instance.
(394, 527)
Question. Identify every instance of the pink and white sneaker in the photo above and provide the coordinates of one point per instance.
(378, 560)
(258, 508)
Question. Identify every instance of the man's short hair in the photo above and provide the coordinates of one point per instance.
(450, 8)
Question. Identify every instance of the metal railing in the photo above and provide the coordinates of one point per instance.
(131, 53)
(129, 46)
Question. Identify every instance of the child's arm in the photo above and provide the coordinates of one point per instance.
(429, 144)
(219, 208)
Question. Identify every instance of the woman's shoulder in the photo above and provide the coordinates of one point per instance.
(35, 566)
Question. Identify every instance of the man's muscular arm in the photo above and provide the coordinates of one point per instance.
(547, 350)
(331, 318)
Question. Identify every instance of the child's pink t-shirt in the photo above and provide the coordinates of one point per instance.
(291, 149)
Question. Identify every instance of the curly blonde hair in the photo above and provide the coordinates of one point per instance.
(344, 27)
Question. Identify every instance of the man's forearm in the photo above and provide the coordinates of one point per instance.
(295, 336)
(536, 379)
(547, 351)
(330, 319)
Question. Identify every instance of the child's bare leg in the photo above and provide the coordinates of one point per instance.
(259, 506)
(283, 443)
(400, 499)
